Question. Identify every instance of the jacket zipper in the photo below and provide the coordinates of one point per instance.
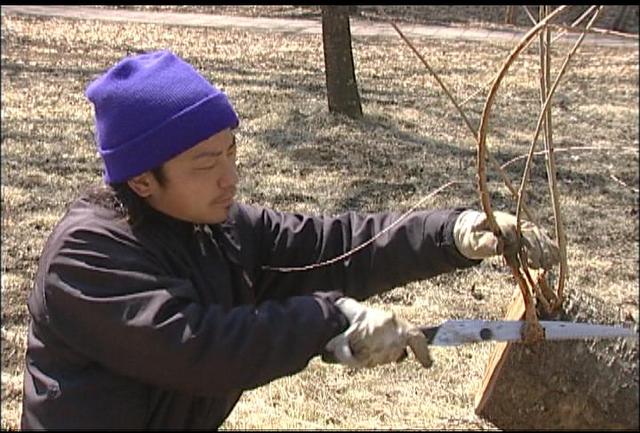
(197, 230)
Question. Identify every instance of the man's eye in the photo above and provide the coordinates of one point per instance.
(209, 167)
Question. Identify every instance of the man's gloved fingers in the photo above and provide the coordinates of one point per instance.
(420, 349)
(542, 251)
(387, 357)
(403, 356)
(371, 355)
(370, 348)
(551, 255)
(419, 345)
(550, 252)
(329, 357)
(472, 220)
(339, 347)
(479, 245)
(533, 251)
(484, 241)
(485, 244)
(507, 224)
(351, 308)
(510, 242)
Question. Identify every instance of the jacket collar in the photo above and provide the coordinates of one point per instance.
(186, 227)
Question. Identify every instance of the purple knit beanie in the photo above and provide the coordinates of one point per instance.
(150, 108)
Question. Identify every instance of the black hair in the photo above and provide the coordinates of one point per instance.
(125, 201)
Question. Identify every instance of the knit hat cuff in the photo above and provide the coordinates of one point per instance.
(172, 137)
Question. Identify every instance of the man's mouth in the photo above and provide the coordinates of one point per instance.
(224, 201)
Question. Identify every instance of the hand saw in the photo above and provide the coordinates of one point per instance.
(457, 332)
(465, 331)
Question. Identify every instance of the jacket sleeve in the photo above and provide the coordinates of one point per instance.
(108, 300)
(419, 247)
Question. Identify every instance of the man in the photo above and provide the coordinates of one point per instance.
(154, 306)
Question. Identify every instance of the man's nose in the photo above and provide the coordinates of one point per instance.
(230, 177)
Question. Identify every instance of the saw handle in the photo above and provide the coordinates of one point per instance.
(429, 332)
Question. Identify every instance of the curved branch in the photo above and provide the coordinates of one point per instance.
(482, 132)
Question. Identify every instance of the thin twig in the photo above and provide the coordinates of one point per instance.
(368, 242)
(596, 30)
(583, 16)
(531, 18)
(403, 216)
(548, 293)
(468, 98)
(494, 162)
(545, 93)
(537, 290)
(623, 184)
(435, 75)
(571, 149)
(551, 166)
(568, 149)
(615, 33)
(573, 24)
(482, 132)
(545, 61)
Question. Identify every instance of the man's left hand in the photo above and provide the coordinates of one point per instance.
(475, 240)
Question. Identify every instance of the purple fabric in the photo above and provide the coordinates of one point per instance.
(152, 107)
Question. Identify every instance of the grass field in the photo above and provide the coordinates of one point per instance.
(456, 15)
(294, 155)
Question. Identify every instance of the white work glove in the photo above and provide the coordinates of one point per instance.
(375, 337)
(475, 240)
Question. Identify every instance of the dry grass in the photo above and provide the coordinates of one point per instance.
(295, 156)
(487, 16)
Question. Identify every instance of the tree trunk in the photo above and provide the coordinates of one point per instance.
(574, 384)
(509, 17)
(618, 24)
(342, 88)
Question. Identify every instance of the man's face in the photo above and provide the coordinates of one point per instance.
(200, 183)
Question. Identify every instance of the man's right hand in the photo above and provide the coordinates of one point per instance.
(376, 337)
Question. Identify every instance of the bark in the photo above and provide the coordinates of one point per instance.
(509, 17)
(342, 88)
(618, 24)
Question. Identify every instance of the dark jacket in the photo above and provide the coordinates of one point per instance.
(164, 325)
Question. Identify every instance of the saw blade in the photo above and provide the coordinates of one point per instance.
(456, 332)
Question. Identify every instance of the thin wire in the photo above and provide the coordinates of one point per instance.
(360, 247)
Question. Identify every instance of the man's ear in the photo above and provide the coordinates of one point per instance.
(144, 184)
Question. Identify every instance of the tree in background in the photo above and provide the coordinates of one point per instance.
(342, 88)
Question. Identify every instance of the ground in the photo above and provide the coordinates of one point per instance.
(294, 155)
(467, 15)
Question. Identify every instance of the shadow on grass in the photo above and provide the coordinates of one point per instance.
(446, 161)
